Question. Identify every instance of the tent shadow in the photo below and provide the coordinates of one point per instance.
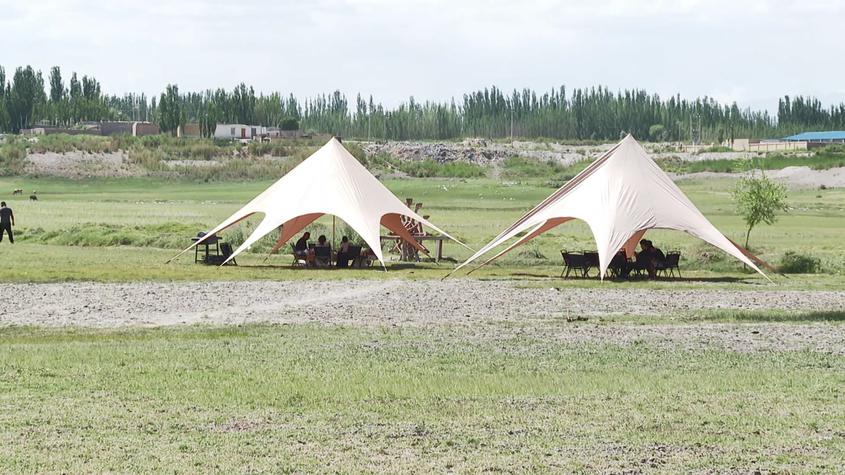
(721, 279)
(811, 316)
(538, 276)
(374, 267)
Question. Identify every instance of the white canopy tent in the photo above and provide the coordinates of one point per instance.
(331, 181)
(620, 196)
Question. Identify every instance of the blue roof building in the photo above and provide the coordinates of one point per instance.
(835, 136)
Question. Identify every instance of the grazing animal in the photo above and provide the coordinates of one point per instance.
(17, 191)
(33, 197)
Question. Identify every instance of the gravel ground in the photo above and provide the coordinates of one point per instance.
(487, 309)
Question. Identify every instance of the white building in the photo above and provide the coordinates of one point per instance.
(239, 131)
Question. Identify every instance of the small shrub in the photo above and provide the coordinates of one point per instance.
(12, 159)
(150, 159)
(516, 167)
(795, 263)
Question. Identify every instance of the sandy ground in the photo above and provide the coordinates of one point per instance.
(796, 177)
(486, 309)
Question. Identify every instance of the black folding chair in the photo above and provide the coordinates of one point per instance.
(670, 265)
(591, 259)
(573, 262)
(323, 256)
(617, 265)
(219, 259)
(353, 256)
(298, 260)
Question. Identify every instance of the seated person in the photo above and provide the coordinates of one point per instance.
(619, 263)
(656, 254)
(301, 246)
(648, 258)
(343, 253)
(322, 251)
(321, 241)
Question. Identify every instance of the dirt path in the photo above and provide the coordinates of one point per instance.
(479, 306)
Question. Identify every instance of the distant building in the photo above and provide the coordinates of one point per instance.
(136, 129)
(818, 138)
(239, 131)
(115, 128)
(50, 130)
(141, 129)
(749, 145)
(189, 130)
(275, 133)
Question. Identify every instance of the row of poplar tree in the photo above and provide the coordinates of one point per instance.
(594, 113)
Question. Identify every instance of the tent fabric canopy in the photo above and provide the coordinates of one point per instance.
(331, 181)
(620, 196)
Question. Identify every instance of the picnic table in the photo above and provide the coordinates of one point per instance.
(206, 245)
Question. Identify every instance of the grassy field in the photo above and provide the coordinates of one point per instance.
(339, 399)
(89, 229)
(485, 397)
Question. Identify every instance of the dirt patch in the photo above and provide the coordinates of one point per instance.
(805, 177)
(82, 165)
(487, 309)
(483, 152)
(795, 177)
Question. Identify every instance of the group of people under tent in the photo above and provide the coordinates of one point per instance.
(647, 259)
(311, 253)
(313, 257)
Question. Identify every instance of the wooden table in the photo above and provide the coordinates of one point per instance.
(439, 239)
(212, 241)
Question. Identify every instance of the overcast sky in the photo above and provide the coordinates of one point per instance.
(747, 51)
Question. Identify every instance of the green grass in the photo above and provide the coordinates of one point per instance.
(86, 228)
(496, 397)
(341, 399)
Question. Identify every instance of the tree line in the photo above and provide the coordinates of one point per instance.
(595, 113)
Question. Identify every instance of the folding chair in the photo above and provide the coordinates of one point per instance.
(573, 262)
(591, 259)
(323, 256)
(670, 265)
(298, 261)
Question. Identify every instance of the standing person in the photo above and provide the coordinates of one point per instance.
(7, 220)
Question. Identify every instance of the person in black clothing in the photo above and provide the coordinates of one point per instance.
(7, 220)
(649, 257)
(301, 246)
(657, 256)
